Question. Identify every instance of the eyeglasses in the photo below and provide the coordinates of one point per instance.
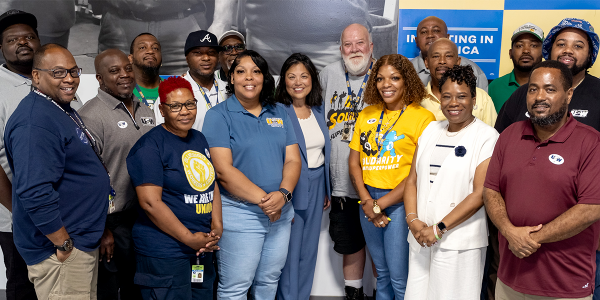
(62, 73)
(238, 47)
(176, 107)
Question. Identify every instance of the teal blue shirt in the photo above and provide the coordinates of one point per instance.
(501, 88)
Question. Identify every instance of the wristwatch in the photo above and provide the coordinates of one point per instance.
(376, 208)
(287, 196)
(442, 227)
(66, 246)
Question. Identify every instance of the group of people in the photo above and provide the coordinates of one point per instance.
(213, 183)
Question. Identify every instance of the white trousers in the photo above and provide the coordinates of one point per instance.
(440, 274)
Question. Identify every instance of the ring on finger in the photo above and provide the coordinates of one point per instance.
(381, 223)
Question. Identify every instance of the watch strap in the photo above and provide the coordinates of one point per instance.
(287, 196)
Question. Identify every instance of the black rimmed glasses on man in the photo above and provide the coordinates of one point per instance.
(62, 73)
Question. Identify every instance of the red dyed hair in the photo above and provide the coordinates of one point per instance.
(170, 84)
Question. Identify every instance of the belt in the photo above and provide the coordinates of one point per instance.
(148, 17)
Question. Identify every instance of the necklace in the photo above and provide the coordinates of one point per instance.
(580, 81)
(453, 134)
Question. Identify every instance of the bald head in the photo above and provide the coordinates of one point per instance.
(115, 74)
(430, 30)
(51, 62)
(442, 55)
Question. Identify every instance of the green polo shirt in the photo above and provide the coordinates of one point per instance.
(501, 88)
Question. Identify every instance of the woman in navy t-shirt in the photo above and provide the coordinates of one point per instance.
(170, 167)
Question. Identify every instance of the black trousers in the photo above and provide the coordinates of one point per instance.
(116, 278)
(18, 286)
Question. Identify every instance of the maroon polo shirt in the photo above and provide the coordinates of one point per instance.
(539, 181)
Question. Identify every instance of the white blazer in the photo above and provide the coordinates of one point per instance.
(453, 183)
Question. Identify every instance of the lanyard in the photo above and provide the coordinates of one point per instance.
(362, 86)
(380, 142)
(208, 104)
(81, 126)
(137, 88)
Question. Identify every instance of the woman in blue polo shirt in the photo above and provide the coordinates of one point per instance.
(171, 168)
(254, 149)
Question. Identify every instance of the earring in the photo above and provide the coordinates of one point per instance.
(475, 107)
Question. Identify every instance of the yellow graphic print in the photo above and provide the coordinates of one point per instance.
(199, 170)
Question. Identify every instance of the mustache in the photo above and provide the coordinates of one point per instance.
(542, 103)
(23, 48)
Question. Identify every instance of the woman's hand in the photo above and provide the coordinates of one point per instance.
(427, 237)
(380, 220)
(367, 207)
(272, 203)
(327, 203)
(415, 228)
(202, 241)
(275, 217)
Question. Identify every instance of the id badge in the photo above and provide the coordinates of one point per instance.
(197, 273)
(111, 201)
(347, 132)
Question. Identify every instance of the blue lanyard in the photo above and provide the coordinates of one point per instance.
(137, 87)
(208, 104)
(380, 142)
(362, 86)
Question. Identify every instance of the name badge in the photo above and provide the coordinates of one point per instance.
(197, 273)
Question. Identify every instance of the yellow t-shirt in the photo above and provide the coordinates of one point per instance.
(386, 167)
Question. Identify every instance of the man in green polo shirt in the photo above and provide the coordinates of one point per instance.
(525, 52)
(146, 57)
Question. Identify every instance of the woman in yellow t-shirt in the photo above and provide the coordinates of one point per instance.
(382, 147)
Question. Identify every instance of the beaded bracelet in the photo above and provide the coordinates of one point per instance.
(409, 215)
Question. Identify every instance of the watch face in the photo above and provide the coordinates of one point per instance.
(376, 209)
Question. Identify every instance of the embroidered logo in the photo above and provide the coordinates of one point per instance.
(275, 122)
(579, 113)
(556, 159)
(586, 286)
(206, 38)
(122, 124)
(527, 114)
(199, 171)
(147, 121)
(82, 136)
(371, 121)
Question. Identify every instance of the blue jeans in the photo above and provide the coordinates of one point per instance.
(253, 250)
(597, 290)
(388, 247)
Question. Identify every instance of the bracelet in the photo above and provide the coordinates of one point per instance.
(413, 220)
(406, 218)
(435, 232)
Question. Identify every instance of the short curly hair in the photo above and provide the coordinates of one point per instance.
(170, 84)
(414, 91)
(460, 74)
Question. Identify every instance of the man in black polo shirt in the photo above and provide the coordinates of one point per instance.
(574, 43)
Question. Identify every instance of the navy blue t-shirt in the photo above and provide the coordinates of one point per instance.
(183, 168)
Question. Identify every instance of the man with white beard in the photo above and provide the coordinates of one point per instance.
(343, 85)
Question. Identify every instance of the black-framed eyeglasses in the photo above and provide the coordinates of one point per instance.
(62, 73)
(176, 107)
(238, 47)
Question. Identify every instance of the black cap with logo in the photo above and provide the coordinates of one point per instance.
(201, 38)
(15, 16)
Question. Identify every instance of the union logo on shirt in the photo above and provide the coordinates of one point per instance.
(275, 122)
(199, 170)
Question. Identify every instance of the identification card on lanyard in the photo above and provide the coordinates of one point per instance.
(208, 104)
(75, 117)
(379, 140)
(354, 102)
(198, 272)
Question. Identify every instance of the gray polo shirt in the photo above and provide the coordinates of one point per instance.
(115, 132)
(14, 88)
(425, 75)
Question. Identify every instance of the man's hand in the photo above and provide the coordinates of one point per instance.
(520, 242)
(327, 203)
(107, 245)
(275, 217)
(272, 203)
(62, 255)
(367, 207)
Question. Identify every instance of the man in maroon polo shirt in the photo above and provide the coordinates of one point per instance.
(542, 192)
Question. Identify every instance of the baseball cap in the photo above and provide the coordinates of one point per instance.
(201, 38)
(232, 33)
(15, 16)
(580, 24)
(528, 28)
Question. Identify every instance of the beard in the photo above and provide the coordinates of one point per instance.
(524, 69)
(356, 66)
(576, 69)
(550, 119)
(149, 71)
(116, 94)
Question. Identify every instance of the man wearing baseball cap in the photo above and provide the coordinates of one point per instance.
(525, 52)
(232, 43)
(574, 43)
(19, 40)
(202, 56)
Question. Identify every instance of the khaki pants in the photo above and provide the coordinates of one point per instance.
(504, 292)
(74, 279)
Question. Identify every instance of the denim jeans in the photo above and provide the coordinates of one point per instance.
(388, 247)
(253, 250)
(597, 290)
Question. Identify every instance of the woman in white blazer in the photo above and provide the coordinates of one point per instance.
(443, 197)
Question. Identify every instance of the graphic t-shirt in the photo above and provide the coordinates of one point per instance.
(183, 168)
(149, 94)
(386, 161)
